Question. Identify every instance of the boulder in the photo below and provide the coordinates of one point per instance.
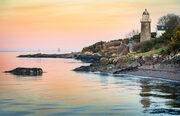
(26, 71)
(82, 69)
(88, 58)
(124, 70)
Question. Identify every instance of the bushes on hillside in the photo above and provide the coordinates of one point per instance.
(153, 44)
(113, 43)
(142, 47)
(150, 45)
(174, 46)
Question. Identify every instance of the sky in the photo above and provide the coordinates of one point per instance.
(73, 24)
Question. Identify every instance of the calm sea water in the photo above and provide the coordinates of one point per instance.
(61, 92)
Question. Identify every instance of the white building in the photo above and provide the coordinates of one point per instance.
(160, 30)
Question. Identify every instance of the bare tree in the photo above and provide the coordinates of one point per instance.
(132, 33)
(163, 20)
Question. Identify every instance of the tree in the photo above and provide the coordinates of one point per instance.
(133, 36)
(172, 21)
(174, 46)
(176, 37)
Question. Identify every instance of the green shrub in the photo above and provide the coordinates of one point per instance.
(174, 46)
(148, 45)
(136, 38)
(142, 47)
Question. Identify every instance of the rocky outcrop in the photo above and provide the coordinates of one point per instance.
(122, 64)
(94, 48)
(175, 60)
(82, 69)
(88, 58)
(26, 71)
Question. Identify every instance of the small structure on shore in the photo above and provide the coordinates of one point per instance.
(58, 50)
(161, 29)
(145, 26)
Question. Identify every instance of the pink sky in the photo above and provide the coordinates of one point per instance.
(73, 24)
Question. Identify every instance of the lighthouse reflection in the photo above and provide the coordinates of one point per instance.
(146, 88)
(160, 98)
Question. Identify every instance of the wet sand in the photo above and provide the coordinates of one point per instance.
(164, 72)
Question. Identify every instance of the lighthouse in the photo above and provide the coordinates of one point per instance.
(145, 26)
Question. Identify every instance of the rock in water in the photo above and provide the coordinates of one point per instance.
(82, 69)
(26, 71)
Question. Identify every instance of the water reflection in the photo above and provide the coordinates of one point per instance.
(160, 97)
(104, 79)
(23, 78)
(60, 91)
(146, 88)
(157, 96)
(28, 78)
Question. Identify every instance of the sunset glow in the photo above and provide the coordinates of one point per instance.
(73, 24)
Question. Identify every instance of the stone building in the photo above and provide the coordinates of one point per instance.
(145, 26)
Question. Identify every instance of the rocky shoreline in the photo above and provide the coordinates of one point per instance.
(159, 66)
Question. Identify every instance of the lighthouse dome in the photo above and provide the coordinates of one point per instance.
(145, 12)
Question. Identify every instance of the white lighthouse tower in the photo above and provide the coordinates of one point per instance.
(145, 26)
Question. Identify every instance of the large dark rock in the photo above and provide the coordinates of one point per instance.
(82, 69)
(26, 71)
(88, 58)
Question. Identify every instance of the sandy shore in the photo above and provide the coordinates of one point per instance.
(164, 72)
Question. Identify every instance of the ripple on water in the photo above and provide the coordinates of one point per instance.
(15, 113)
(4, 102)
(165, 111)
